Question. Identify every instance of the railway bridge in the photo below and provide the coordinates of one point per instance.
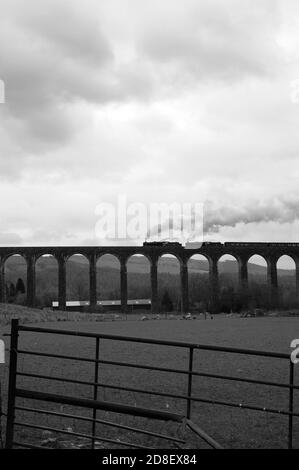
(242, 251)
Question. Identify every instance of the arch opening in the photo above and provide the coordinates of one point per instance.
(286, 277)
(169, 284)
(108, 283)
(46, 281)
(139, 283)
(15, 275)
(77, 281)
(198, 284)
(229, 294)
(258, 294)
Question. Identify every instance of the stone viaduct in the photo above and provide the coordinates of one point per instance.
(242, 251)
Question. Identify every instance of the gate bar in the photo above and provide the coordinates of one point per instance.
(203, 435)
(190, 376)
(12, 384)
(158, 342)
(95, 391)
(291, 405)
(100, 405)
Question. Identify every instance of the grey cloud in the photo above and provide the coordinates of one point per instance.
(8, 238)
(280, 210)
(54, 55)
(185, 88)
(73, 29)
(236, 42)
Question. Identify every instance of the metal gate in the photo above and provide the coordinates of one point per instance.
(183, 420)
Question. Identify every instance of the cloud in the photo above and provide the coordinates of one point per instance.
(161, 101)
(13, 239)
(282, 210)
(223, 41)
(57, 59)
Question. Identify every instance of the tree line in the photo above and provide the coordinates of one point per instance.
(108, 287)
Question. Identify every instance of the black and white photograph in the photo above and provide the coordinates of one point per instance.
(149, 229)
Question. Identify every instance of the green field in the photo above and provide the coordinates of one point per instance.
(232, 427)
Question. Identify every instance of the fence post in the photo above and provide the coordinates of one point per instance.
(190, 376)
(12, 383)
(291, 406)
(95, 391)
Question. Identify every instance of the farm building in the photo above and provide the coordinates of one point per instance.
(112, 305)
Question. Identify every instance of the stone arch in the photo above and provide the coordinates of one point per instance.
(139, 277)
(147, 256)
(112, 253)
(108, 275)
(228, 263)
(228, 283)
(169, 282)
(171, 253)
(198, 282)
(286, 277)
(46, 280)
(77, 277)
(258, 292)
(15, 268)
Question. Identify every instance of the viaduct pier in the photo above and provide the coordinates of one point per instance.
(241, 251)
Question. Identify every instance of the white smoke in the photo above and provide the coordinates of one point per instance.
(280, 210)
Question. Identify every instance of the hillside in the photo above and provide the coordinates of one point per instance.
(139, 264)
(108, 265)
(108, 280)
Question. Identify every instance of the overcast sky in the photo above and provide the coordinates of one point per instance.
(163, 101)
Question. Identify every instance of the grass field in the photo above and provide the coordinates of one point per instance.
(232, 427)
